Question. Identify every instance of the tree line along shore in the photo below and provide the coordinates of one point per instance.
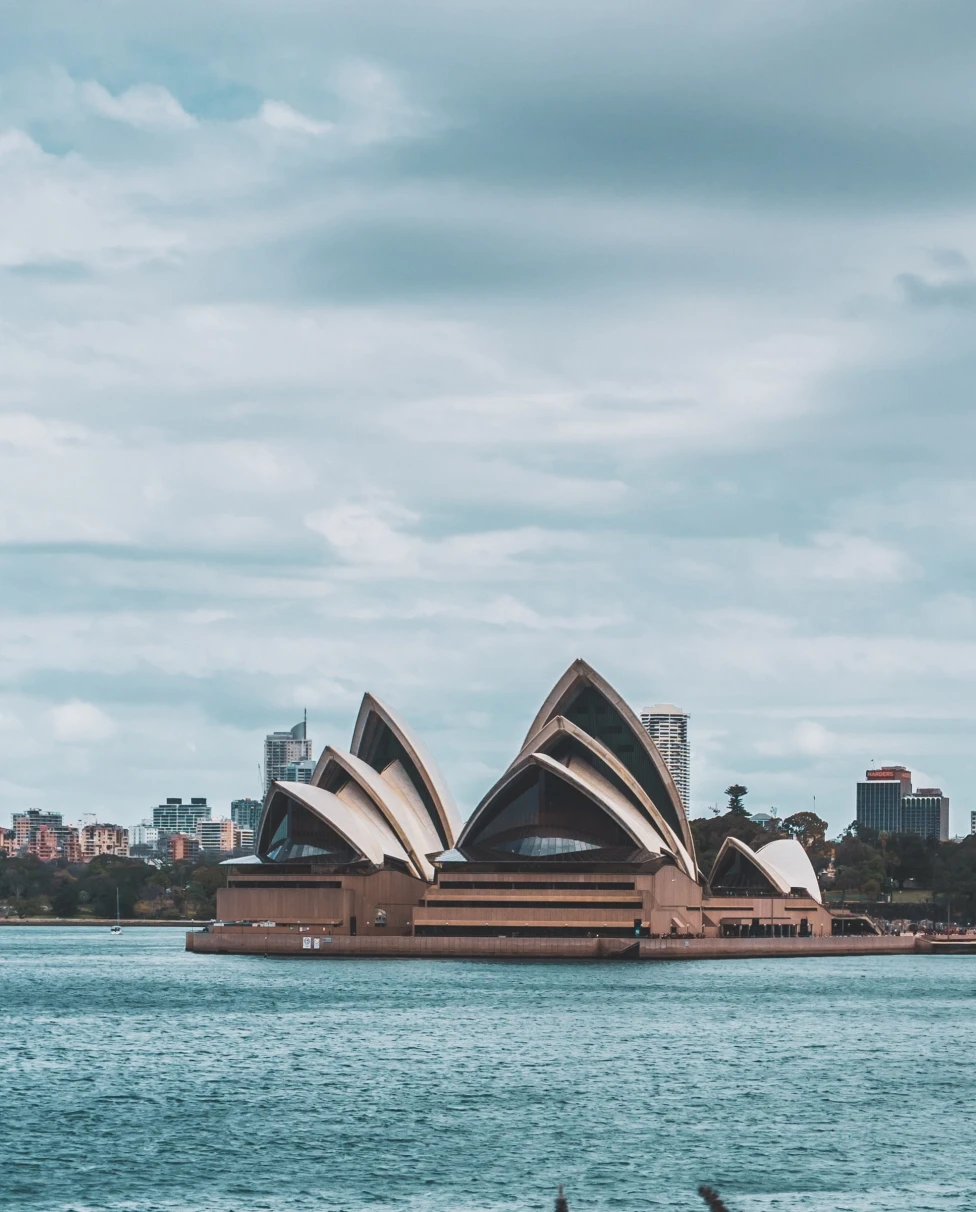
(885, 873)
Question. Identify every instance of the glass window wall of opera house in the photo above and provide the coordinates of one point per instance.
(583, 835)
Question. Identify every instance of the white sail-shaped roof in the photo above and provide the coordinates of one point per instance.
(644, 760)
(552, 738)
(766, 869)
(788, 857)
(357, 823)
(379, 738)
(604, 797)
(393, 797)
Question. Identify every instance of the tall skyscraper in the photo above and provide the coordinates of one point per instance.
(879, 798)
(886, 802)
(281, 748)
(667, 726)
(176, 817)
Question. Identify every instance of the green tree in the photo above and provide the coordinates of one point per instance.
(64, 902)
(806, 827)
(910, 857)
(735, 794)
(954, 877)
(860, 866)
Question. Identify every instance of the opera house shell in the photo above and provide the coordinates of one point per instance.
(584, 835)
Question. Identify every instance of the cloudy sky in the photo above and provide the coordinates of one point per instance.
(421, 348)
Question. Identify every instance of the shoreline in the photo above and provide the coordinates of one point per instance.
(185, 923)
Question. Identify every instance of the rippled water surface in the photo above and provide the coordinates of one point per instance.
(137, 1077)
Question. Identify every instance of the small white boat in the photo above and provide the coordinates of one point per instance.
(117, 928)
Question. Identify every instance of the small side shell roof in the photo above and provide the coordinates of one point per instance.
(765, 868)
(789, 858)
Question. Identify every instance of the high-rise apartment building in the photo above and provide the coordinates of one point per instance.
(244, 841)
(667, 726)
(176, 817)
(181, 847)
(886, 802)
(144, 834)
(217, 837)
(281, 748)
(879, 798)
(246, 813)
(300, 772)
(926, 812)
(44, 845)
(103, 839)
(69, 844)
(26, 824)
(972, 822)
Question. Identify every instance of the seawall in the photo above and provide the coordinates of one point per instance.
(251, 940)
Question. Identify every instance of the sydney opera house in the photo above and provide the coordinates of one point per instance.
(583, 836)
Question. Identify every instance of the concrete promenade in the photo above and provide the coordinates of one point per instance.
(313, 944)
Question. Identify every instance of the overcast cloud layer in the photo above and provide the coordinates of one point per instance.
(421, 348)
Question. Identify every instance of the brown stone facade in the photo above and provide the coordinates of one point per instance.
(465, 901)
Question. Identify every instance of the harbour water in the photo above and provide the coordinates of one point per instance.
(136, 1077)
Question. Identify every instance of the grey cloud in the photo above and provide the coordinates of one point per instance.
(958, 293)
(626, 289)
(53, 271)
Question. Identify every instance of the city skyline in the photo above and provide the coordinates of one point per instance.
(665, 719)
